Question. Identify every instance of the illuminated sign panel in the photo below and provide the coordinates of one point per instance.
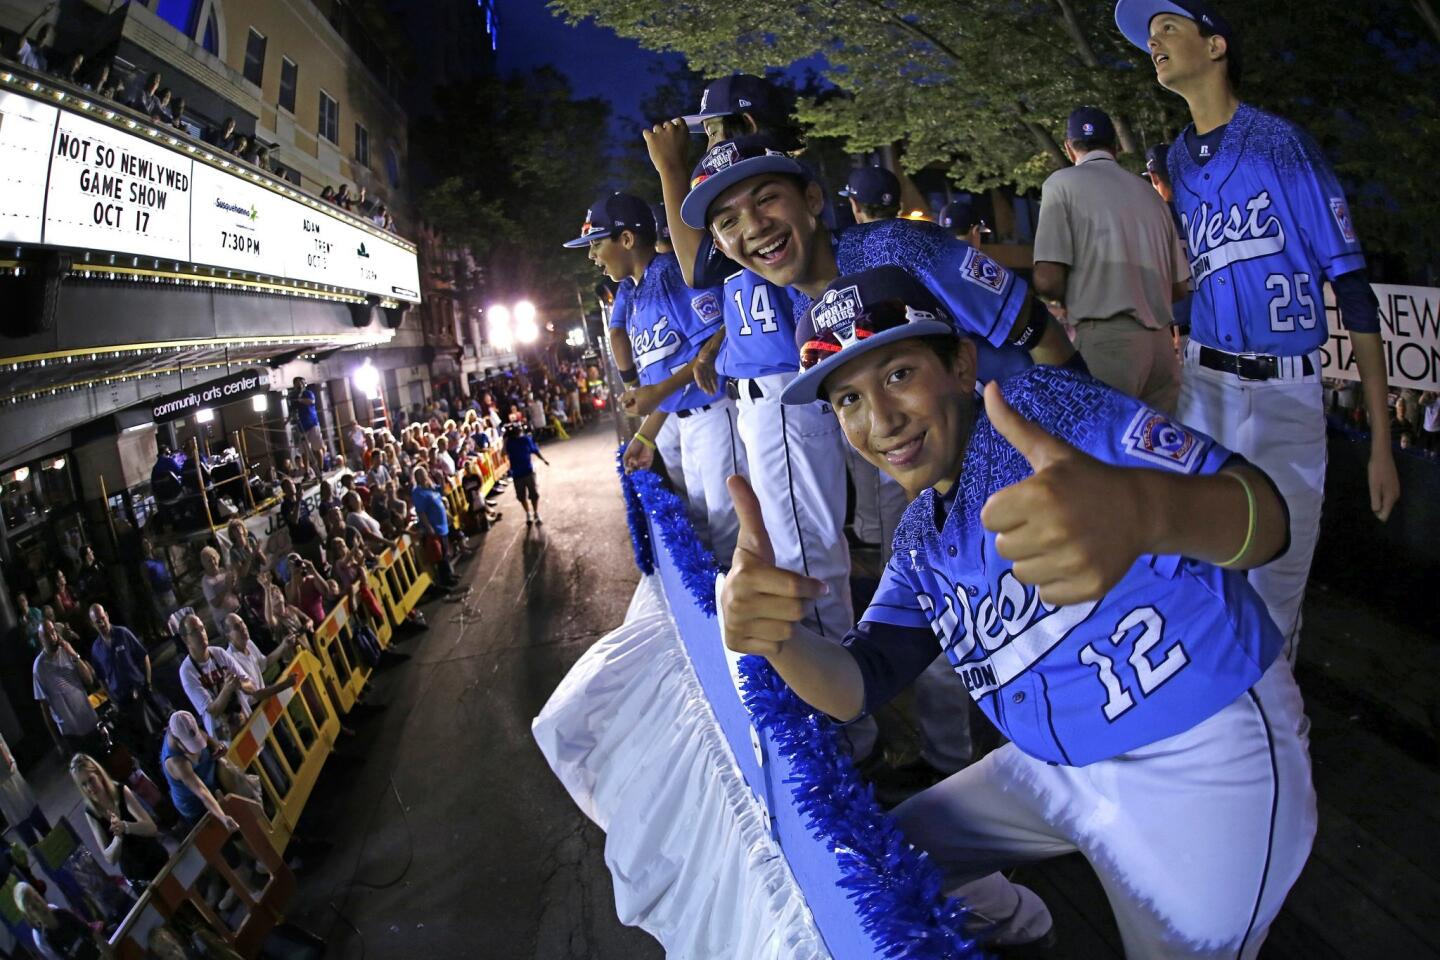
(112, 191)
(27, 128)
(67, 180)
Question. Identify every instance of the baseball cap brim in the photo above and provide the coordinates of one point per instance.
(696, 121)
(806, 387)
(697, 202)
(1133, 18)
(599, 233)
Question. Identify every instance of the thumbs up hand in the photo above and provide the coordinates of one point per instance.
(761, 602)
(1076, 526)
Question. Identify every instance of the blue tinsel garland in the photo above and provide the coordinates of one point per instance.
(667, 512)
(895, 888)
(635, 516)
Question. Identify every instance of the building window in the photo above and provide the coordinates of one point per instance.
(255, 58)
(183, 15)
(329, 118)
(211, 42)
(362, 146)
(288, 74)
(392, 167)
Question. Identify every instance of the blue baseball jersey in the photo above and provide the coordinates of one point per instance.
(1171, 644)
(620, 309)
(1266, 223)
(983, 296)
(759, 328)
(667, 323)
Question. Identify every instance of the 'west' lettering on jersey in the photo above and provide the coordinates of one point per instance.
(1011, 627)
(654, 344)
(1218, 240)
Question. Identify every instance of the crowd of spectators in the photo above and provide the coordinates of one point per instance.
(1414, 415)
(257, 604)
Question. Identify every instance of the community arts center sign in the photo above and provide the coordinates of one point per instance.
(76, 178)
(211, 394)
(1410, 328)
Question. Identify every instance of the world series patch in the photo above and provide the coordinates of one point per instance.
(983, 272)
(1341, 210)
(1156, 439)
(707, 307)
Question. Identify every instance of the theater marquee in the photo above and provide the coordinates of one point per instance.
(71, 181)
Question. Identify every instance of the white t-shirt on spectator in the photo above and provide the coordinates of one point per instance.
(252, 663)
(202, 682)
(446, 462)
(365, 523)
(537, 414)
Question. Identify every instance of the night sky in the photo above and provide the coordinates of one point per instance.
(598, 63)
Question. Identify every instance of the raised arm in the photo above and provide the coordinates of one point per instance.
(669, 145)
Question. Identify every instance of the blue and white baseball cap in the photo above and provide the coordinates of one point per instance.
(872, 186)
(662, 225)
(1133, 18)
(736, 94)
(1089, 123)
(612, 214)
(859, 313)
(729, 162)
(959, 216)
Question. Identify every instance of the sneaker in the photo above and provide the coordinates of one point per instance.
(537, 519)
(529, 520)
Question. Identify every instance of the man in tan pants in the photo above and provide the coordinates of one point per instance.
(1109, 263)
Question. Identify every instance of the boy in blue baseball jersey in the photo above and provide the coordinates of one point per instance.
(1266, 224)
(1078, 558)
(795, 457)
(763, 209)
(666, 323)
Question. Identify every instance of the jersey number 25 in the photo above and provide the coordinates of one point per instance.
(760, 310)
(1287, 294)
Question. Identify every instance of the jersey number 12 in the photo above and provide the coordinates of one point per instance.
(1149, 676)
(760, 310)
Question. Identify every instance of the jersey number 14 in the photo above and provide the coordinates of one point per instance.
(760, 310)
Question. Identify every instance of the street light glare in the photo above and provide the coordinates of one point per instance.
(498, 321)
(525, 329)
(525, 312)
(367, 379)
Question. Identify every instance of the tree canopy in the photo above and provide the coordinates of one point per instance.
(516, 161)
(982, 87)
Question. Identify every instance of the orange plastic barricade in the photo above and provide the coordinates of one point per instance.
(379, 586)
(285, 743)
(408, 582)
(186, 891)
(335, 645)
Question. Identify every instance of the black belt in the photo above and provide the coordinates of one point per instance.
(752, 389)
(1248, 366)
(682, 414)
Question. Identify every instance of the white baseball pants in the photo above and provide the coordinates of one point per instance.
(1279, 426)
(796, 456)
(667, 444)
(1196, 839)
(879, 502)
(710, 451)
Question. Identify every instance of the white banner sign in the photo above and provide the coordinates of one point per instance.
(71, 181)
(113, 191)
(1410, 329)
(27, 128)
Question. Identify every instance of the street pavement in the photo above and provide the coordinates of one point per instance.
(451, 837)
